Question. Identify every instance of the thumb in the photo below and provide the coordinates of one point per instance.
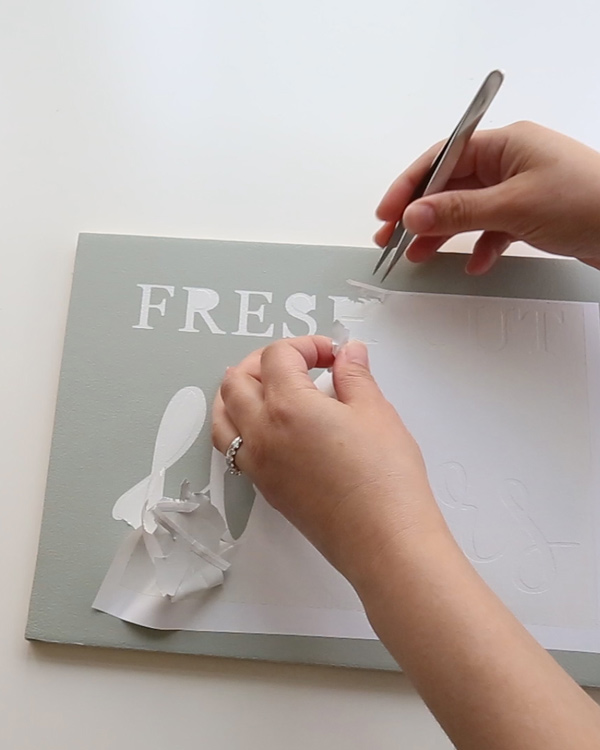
(352, 377)
(455, 211)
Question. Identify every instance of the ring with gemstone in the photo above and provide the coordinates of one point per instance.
(234, 447)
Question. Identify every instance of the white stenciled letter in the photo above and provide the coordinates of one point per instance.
(246, 312)
(148, 305)
(543, 320)
(298, 306)
(200, 302)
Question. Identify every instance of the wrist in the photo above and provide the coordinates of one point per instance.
(395, 534)
(406, 573)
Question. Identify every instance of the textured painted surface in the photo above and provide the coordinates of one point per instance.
(113, 372)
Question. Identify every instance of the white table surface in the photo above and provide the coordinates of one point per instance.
(265, 120)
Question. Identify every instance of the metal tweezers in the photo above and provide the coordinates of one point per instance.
(440, 171)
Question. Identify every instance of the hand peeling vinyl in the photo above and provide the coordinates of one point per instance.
(503, 397)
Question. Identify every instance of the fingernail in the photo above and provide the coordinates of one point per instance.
(419, 217)
(356, 353)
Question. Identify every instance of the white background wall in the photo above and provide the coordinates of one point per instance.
(264, 120)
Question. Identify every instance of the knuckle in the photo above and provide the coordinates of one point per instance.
(280, 411)
(458, 212)
(355, 375)
(214, 433)
(524, 128)
(274, 350)
(229, 382)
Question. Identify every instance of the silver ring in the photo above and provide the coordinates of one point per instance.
(234, 447)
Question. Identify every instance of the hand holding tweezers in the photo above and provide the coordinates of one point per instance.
(440, 171)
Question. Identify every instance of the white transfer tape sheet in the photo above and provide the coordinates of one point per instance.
(503, 396)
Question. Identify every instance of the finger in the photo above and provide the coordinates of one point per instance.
(251, 364)
(242, 396)
(424, 248)
(384, 234)
(480, 163)
(352, 377)
(400, 191)
(488, 248)
(286, 363)
(224, 430)
(498, 208)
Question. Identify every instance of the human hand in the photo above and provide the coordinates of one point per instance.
(345, 472)
(521, 182)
